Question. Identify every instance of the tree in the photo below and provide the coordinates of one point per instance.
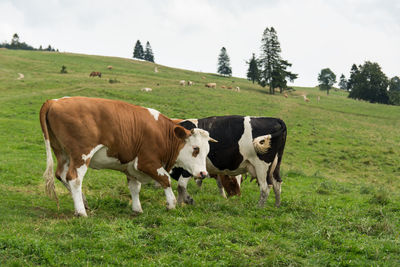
(353, 73)
(253, 74)
(326, 79)
(138, 51)
(343, 82)
(148, 54)
(224, 65)
(394, 91)
(394, 84)
(272, 68)
(15, 41)
(370, 84)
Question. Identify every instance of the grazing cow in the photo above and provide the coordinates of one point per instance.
(223, 87)
(108, 134)
(305, 98)
(211, 85)
(285, 95)
(146, 89)
(190, 83)
(237, 89)
(230, 87)
(109, 67)
(246, 144)
(182, 82)
(155, 69)
(95, 73)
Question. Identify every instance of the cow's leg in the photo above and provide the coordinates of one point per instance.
(75, 178)
(262, 170)
(134, 187)
(162, 177)
(277, 181)
(220, 187)
(183, 195)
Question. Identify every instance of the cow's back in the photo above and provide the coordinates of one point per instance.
(122, 127)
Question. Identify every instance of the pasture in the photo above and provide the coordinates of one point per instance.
(340, 170)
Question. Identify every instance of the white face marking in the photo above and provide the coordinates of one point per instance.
(186, 160)
(91, 153)
(154, 113)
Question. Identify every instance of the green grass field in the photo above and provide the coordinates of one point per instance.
(341, 173)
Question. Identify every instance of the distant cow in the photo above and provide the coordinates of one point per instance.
(305, 98)
(245, 144)
(109, 67)
(95, 73)
(237, 89)
(146, 89)
(285, 95)
(182, 82)
(211, 85)
(190, 83)
(223, 87)
(108, 134)
(229, 87)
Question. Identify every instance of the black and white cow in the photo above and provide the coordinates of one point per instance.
(245, 144)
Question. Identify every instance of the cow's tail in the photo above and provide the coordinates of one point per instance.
(48, 175)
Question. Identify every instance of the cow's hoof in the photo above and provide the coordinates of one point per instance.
(80, 214)
(189, 200)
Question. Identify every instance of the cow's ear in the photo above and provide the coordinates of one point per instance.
(180, 132)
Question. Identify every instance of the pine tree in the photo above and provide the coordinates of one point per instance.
(138, 51)
(353, 73)
(343, 82)
(272, 68)
(224, 65)
(148, 54)
(253, 74)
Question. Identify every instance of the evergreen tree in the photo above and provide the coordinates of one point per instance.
(272, 68)
(148, 54)
(343, 82)
(253, 73)
(353, 73)
(138, 51)
(370, 84)
(224, 65)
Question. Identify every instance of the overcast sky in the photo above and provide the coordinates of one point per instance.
(189, 34)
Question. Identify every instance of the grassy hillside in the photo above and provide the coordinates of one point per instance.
(341, 173)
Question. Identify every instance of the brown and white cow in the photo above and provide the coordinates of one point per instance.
(108, 134)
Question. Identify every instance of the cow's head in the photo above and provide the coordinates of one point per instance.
(192, 156)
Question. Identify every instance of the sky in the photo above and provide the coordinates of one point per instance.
(189, 34)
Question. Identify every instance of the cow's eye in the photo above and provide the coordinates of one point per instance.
(196, 151)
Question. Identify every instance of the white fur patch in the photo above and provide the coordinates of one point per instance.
(162, 172)
(154, 113)
(135, 163)
(171, 200)
(91, 153)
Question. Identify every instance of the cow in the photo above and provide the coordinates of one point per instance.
(95, 73)
(246, 144)
(211, 85)
(182, 82)
(237, 89)
(190, 83)
(306, 98)
(109, 67)
(146, 89)
(109, 134)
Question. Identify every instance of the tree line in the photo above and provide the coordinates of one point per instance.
(16, 44)
(139, 53)
(366, 82)
(268, 69)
